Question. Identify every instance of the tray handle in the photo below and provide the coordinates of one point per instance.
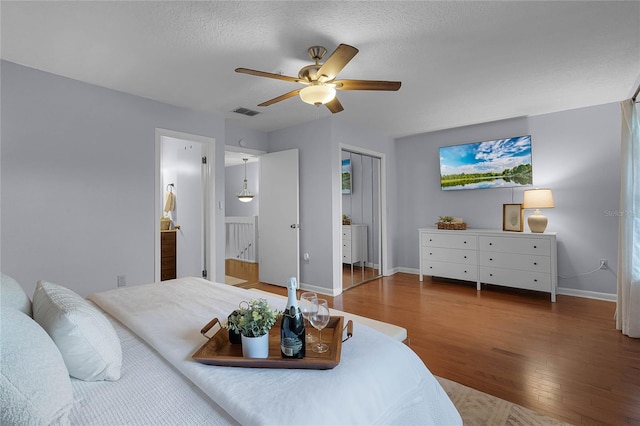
(349, 328)
(209, 326)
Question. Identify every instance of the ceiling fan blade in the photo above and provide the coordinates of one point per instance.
(338, 59)
(367, 85)
(334, 106)
(268, 75)
(280, 98)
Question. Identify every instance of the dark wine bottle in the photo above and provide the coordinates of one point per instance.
(292, 335)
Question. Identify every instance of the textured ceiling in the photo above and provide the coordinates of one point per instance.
(460, 63)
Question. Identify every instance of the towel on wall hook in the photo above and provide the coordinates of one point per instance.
(169, 199)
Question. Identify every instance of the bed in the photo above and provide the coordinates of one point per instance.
(142, 371)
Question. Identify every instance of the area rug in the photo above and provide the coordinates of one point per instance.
(233, 280)
(480, 409)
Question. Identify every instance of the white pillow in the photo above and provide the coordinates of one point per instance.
(12, 294)
(35, 385)
(87, 341)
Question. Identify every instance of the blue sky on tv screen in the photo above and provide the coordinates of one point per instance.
(483, 157)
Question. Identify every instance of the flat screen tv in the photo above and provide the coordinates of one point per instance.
(500, 163)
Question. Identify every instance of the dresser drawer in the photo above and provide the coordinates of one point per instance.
(450, 270)
(168, 237)
(516, 261)
(346, 233)
(520, 279)
(440, 254)
(536, 246)
(452, 240)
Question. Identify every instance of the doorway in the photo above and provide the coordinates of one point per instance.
(361, 217)
(184, 172)
(273, 213)
(241, 218)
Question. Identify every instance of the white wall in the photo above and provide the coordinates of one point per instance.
(78, 175)
(575, 153)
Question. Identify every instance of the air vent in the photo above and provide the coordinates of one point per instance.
(246, 111)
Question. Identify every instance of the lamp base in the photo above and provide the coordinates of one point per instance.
(537, 222)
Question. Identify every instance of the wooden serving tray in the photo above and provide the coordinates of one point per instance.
(218, 351)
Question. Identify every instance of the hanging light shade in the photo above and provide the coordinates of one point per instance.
(317, 94)
(245, 196)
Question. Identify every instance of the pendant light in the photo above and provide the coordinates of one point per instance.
(245, 196)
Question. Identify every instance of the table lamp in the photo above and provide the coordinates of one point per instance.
(539, 198)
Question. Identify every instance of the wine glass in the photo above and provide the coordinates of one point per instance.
(309, 306)
(319, 320)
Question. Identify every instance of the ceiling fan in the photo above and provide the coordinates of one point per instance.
(320, 79)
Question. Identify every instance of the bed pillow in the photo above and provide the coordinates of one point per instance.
(13, 295)
(86, 339)
(35, 385)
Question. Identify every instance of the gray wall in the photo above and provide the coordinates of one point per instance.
(575, 153)
(78, 180)
(78, 172)
(315, 148)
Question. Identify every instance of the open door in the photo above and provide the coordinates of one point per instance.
(278, 221)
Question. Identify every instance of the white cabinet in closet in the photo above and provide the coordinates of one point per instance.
(354, 243)
(519, 260)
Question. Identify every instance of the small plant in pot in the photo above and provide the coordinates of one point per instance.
(252, 320)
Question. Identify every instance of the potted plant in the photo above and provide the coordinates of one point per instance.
(253, 320)
(449, 222)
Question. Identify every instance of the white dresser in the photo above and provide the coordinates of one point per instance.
(354, 243)
(512, 259)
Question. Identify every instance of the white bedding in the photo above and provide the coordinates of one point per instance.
(149, 392)
(378, 381)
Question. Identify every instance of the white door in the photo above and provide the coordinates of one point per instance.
(189, 209)
(278, 226)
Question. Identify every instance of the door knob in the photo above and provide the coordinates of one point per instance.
(294, 226)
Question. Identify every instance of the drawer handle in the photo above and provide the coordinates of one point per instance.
(490, 275)
(535, 263)
(490, 244)
(430, 240)
(465, 272)
(430, 254)
(430, 267)
(465, 257)
(491, 259)
(465, 242)
(535, 280)
(535, 246)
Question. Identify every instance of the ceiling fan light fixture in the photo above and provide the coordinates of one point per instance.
(317, 94)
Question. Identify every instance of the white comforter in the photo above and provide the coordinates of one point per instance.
(378, 380)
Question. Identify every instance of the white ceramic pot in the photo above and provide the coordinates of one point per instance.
(255, 347)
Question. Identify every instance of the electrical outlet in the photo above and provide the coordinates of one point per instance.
(603, 263)
(122, 280)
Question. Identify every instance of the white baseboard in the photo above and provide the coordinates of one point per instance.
(319, 290)
(588, 294)
(404, 270)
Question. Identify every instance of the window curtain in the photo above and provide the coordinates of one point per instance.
(628, 304)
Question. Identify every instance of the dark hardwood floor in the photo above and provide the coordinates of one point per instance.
(563, 359)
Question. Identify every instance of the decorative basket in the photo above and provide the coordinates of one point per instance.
(458, 226)
(165, 223)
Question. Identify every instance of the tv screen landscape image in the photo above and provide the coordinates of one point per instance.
(500, 163)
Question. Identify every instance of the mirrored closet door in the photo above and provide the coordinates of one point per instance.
(361, 225)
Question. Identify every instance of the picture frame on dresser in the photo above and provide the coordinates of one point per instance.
(512, 217)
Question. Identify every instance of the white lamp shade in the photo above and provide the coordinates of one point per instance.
(317, 94)
(538, 198)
